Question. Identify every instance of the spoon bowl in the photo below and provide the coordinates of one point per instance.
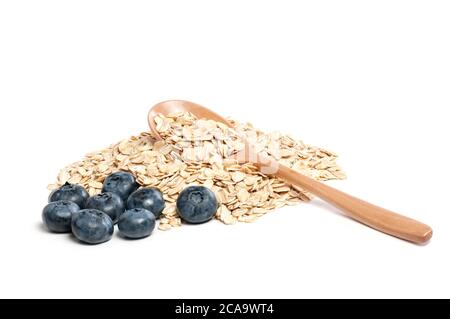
(179, 106)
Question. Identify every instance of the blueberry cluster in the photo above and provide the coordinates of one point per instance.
(122, 202)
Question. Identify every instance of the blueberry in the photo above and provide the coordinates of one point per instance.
(148, 198)
(57, 216)
(92, 226)
(71, 192)
(136, 223)
(196, 204)
(109, 203)
(120, 183)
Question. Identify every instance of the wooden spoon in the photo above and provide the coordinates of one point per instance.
(364, 212)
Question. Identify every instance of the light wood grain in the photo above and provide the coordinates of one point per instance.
(371, 215)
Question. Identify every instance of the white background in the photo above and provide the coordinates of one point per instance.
(367, 79)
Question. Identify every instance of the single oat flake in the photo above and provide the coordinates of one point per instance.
(201, 152)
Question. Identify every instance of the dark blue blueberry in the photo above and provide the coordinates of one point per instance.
(196, 204)
(148, 198)
(120, 183)
(57, 216)
(71, 192)
(92, 226)
(109, 203)
(136, 223)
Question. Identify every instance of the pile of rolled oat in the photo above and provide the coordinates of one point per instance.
(201, 152)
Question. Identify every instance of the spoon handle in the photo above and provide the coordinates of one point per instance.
(373, 216)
